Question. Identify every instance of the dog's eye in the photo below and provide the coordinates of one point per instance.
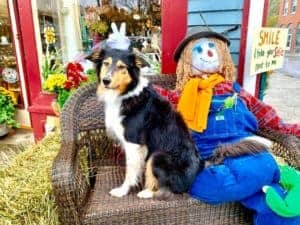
(121, 67)
(105, 63)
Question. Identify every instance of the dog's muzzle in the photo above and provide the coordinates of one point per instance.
(106, 81)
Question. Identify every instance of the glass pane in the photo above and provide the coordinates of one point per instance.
(298, 36)
(143, 25)
(69, 28)
(9, 76)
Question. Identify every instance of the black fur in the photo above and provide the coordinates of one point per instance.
(150, 120)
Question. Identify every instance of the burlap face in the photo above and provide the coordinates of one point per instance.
(184, 66)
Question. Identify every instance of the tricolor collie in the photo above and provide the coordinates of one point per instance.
(155, 138)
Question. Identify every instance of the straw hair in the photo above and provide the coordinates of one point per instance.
(184, 66)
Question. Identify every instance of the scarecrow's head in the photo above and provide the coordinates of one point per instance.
(201, 53)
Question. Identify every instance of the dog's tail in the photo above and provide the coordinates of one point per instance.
(163, 194)
(244, 147)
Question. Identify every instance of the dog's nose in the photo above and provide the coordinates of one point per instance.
(106, 81)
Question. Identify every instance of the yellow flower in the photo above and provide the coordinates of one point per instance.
(55, 82)
(9, 94)
(49, 35)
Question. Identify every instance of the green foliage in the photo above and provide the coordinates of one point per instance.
(273, 7)
(98, 27)
(272, 21)
(273, 13)
(263, 85)
(52, 64)
(63, 96)
(91, 73)
(7, 111)
(155, 65)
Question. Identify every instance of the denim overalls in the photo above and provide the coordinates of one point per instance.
(239, 177)
(225, 125)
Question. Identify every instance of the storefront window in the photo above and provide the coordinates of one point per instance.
(68, 29)
(289, 37)
(9, 74)
(285, 7)
(298, 39)
(294, 6)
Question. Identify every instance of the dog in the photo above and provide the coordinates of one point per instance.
(154, 136)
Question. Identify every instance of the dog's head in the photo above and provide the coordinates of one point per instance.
(117, 70)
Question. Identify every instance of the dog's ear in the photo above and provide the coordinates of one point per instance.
(96, 56)
(140, 59)
(141, 62)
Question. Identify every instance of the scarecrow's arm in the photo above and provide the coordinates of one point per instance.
(266, 116)
(171, 95)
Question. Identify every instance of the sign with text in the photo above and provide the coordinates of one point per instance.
(268, 49)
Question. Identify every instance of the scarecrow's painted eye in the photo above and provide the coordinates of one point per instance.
(199, 49)
(211, 45)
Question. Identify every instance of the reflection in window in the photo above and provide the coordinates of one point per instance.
(286, 7)
(294, 6)
(9, 73)
(298, 39)
(142, 18)
(289, 37)
(76, 26)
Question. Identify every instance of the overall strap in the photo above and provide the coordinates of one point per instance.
(236, 87)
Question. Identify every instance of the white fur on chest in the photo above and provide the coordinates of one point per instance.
(113, 118)
(113, 102)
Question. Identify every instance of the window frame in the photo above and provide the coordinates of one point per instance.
(289, 37)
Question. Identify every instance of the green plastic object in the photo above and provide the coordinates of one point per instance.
(230, 101)
(289, 206)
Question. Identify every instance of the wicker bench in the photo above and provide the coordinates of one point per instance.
(86, 168)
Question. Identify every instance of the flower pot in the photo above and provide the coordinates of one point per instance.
(3, 130)
(55, 107)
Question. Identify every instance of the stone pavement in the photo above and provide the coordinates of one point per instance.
(283, 93)
(291, 65)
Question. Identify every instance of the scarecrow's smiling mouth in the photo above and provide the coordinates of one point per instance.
(208, 61)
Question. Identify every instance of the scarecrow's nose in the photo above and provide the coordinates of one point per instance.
(210, 53)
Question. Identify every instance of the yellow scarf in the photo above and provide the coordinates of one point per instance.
(195, 101)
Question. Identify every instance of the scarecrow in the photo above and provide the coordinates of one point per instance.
(219, 112)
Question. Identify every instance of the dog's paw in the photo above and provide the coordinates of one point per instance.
(145, 194)
(119, 192)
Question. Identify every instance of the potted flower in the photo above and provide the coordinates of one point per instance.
(64, 84)
(96, 23)
(7, 111)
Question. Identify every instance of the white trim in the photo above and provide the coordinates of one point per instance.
(254, 21)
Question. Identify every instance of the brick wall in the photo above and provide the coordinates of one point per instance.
(292, 19)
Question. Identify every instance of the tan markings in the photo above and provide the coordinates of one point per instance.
(151, 182)
(121, 78)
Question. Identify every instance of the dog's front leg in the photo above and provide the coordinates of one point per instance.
(135, 163)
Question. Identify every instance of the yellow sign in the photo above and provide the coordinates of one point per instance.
(268, 49)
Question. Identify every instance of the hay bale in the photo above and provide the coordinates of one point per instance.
(8, 152)
(25, 187)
